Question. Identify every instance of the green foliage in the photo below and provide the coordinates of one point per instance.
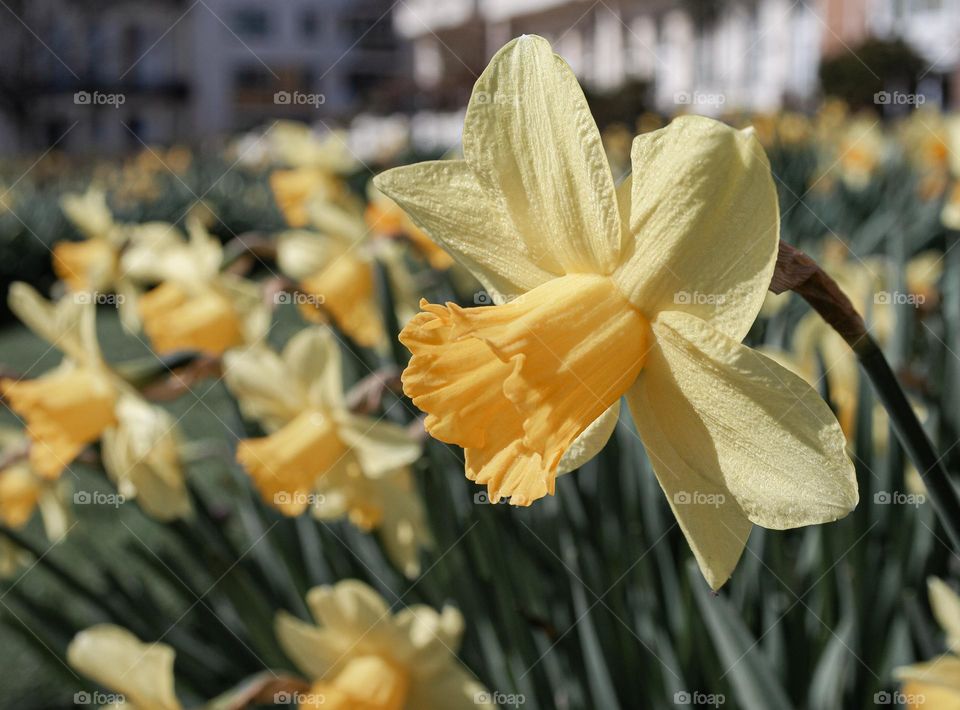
(876, 65)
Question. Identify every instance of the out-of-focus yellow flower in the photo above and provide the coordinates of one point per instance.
(196, 307)
(176, 319)
(91, 264)
(82, 401)
(69, 407)
(648, 295)
(363, 656)
(23, 492)
(384, 216)
(936, 683)
(296, 145)
(141, 673)
(336, 278)
(94, 265)
(859, 152)
(320, 456)
(141, 455)
(296, 189)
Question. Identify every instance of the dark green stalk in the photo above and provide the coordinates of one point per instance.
(797, 272)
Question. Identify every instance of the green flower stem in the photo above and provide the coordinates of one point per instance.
(797, 272)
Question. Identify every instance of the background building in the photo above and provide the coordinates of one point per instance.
(171, 70)
(186, 71)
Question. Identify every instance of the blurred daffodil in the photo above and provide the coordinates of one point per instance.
(141, 674)
(644, 291)
(196, 306)
(362, 656)
(69, 407)
(320, 456)
(336, 279)
(90, 264)
(22, 494)
(936, 683)
(83, 400)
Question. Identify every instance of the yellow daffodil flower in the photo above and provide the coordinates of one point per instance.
(68, 408)
(644, 291)
(936, 683)
(363, 656)
(83, 400)
(320, 456)
(196, 307)
(336, 280)
(296, 145)
(859, 152)
(113, 258)
(23, 493)
(140, 674)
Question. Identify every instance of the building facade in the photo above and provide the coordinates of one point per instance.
(106, 76)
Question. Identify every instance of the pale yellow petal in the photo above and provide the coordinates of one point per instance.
(704, 221)
(262, 384)
(88, 212)
(751, 425)
(734, 437)
(116, 659)
(591, 441)
(69, 324)
(446, 200)
(941, 673)
(312, 359)
(142, 458)
(380, 446)
(529, 135)
(946, 608)
(301, 253)
(349, 607)
(714, 524)
(313, 650)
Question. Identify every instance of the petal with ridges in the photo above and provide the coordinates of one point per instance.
(749, 425)
(529, 135)
(704, 221)
(445, 199)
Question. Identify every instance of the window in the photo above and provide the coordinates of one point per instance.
(309, 24)
(251, 22)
